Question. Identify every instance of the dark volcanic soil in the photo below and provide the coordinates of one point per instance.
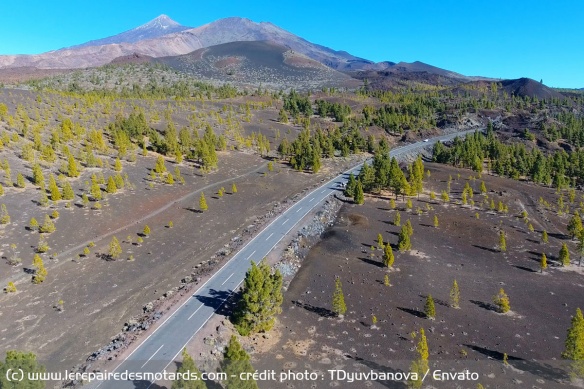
(473, 337)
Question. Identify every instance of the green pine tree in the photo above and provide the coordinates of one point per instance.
(203, 203)
(574, 345)
(403, 241)
(114, 249)
(544, 237)
(111, 186)
(543, 262)
(502, 241)
(187, 366)
(564, 256)
(237, 361)
(67, 193)
(15, 361)
(501, 300)
(339, 306)
(430, 308)
(359, 197)
(455, 295)
(261, 299)
(54, 189)
(388, 257)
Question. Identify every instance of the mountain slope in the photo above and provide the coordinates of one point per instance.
(528, 87)
(221, 31)
(258, 62)
(160, 26)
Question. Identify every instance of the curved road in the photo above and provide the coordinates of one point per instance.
(162, 346)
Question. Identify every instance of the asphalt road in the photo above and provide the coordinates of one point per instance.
(161, 347)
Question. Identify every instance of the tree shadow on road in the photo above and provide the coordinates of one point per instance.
(144, 384)
(218, 300)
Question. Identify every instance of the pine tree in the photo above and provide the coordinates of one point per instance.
(146, 230)
(397, 219)
(114, 249)
(17, 361)
(420, 365)
(339, 306)
(20, 180)
(564, 256)
(68, 193)
(95, 190)
(170, 179)
(544, 237)
(483, 188)
(203, 203)
(33, 225)
(40, 272)
(380, 243)
(455, 295)
(54, 189)
(72, 170)
(118, 165)
(4, 216)
(351, 185)
(261, 299)
(111, 186)
(388, 257)
(233, 188)
(37, 175)
(436, 224)
(574, 345)
(235, 362)
(444, 196)
(188, 367)
(359, 197)
(48, 226)
(575, 225)
(403, 241)
(429, 308)
(502, 241)
(10, 288)
(501, 300)
(160, 167)
(386, 280)
(543, 262)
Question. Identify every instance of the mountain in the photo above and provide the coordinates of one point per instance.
(258, 62)
(527, 87)
(147, 40)
(160, 26)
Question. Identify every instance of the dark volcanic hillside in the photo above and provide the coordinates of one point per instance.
(254, 63)
(528, 87)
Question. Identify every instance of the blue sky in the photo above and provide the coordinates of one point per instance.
(504, 39)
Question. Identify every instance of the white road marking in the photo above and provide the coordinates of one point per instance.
(193, 314)
(285, 221)
(270, 236)
(156, 352)
(310, 201)
(227, 279)
(322, 191)
(251, 255)
(299, 209)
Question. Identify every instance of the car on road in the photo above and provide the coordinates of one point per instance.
(426, 140)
